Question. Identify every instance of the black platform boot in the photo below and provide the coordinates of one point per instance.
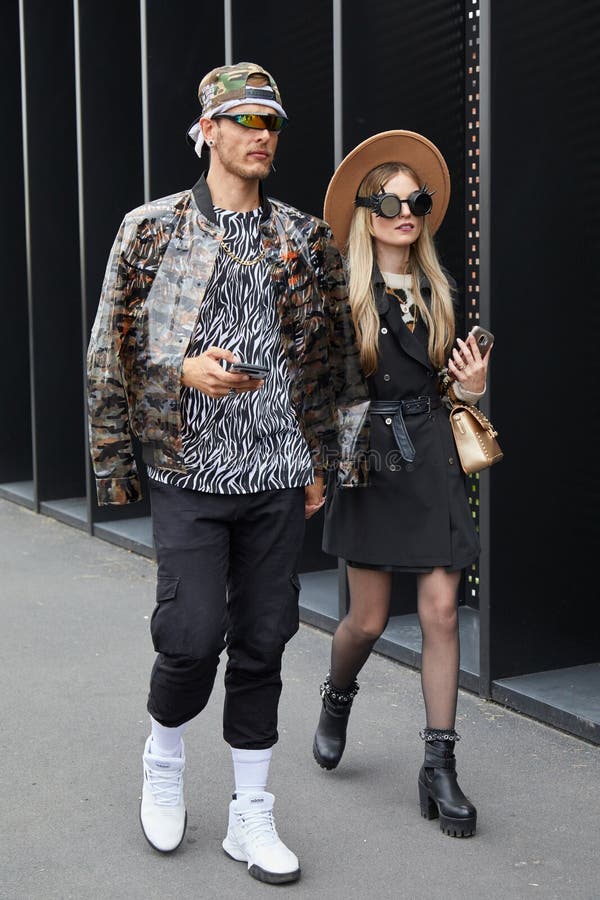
(439, 791)
(330, 736)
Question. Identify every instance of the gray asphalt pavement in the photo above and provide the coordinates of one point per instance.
(75, 659)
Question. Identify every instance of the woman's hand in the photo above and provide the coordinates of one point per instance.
(206, 374)
(467, 366)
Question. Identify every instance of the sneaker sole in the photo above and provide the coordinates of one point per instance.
(159, 849)
(262, 874)
(273, 877)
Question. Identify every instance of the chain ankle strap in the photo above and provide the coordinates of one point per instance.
(332, 693)
(439, 734)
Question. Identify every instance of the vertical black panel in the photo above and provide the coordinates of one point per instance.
(403, 67)
(111, 129)
(297, 49)
(545, 235)
(15, 433)
(112, 176)
(184, 41)
(54, 251)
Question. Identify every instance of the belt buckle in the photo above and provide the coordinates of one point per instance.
(414, 406)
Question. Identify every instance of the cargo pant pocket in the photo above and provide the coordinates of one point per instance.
(166, 624)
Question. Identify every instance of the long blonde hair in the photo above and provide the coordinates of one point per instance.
(423, 260)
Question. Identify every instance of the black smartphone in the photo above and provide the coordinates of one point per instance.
(251, 369)
(484, 338)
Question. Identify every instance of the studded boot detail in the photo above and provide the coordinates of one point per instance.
(330, 736)
(439, 793)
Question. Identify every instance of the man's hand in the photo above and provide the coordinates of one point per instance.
(206, 374)
(314, 499)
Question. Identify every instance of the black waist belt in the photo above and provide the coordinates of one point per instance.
(397, 409)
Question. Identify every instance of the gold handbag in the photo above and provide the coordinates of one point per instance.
(475, 438)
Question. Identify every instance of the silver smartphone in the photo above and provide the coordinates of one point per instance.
(251, 369)
(484, 338)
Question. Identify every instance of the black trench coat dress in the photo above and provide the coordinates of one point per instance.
(414, 516)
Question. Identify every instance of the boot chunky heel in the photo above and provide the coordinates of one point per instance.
(429, 809)
(439, 793)
(330, 737)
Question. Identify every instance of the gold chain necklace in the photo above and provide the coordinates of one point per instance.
(243, 262)
(405, 306)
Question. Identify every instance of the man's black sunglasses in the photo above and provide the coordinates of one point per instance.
(390, 205)
(256, 120)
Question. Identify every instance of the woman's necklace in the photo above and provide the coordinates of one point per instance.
(410, 310)
(243, 262)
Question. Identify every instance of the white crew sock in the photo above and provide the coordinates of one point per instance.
(250, 770)
(166, 741)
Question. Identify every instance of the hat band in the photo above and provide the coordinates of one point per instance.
(256, 93)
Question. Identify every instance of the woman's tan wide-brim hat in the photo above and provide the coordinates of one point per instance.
(406, 147)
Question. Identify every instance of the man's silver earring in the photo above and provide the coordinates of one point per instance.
(211, 143)
(273, 169)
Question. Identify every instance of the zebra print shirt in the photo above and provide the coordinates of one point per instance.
(247, 442)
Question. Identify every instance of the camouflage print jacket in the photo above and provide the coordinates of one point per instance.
(159, 266)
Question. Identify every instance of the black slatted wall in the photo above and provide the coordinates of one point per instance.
(545, 236)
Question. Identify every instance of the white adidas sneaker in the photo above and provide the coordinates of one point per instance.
(162, 809)
(252, 838)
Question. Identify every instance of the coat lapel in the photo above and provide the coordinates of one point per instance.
(389, 309)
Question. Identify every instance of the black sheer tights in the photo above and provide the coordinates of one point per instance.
(438, 616)
(363, 624)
